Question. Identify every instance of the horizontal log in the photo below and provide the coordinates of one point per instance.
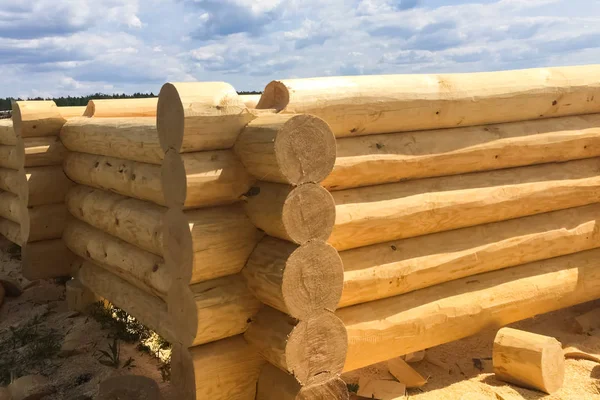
(250, 100)
(46, 185)
(46, 222)
(382, 213)
(36, 118)
(297, 214)
(305, 349)
(129, 178)
(209, 243)
(12, 231)
(137, 222)
(7, 133)
(227, 369)
(199, 116)
(43, 151)
(363, 105)
(147, 309)
(72, 111)
(388, 328)
(393, 268)
(301, 281)
(376, 159)
(273, 383)
(204, 179)
(115, 108)
(290, 149)
(12, 208)
(11, 157)
(13, 181)
(211, 310)
(140, 268)
(47, 259)
(132, 138)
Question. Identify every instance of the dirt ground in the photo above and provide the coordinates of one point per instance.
(34, 326)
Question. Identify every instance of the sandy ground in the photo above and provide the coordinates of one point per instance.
(34, 326)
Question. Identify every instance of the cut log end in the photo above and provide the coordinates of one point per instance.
(170, 118)
(36, 118)
(275, 96)
(308, 213)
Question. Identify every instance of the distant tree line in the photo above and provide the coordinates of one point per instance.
(5, 103)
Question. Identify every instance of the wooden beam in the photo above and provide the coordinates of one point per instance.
(13, 181)
(72, 111)
(11, 157)
(12, 231)
(12, 208)
(36, 118)
(377, 214)
(46, 185)
(7, 133)
(46, 222)
(250, 100)
(42, 152)
(47, 259)
(116, 108)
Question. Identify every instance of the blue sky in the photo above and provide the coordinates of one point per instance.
(73, 47)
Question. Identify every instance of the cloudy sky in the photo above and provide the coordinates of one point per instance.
(73, 47)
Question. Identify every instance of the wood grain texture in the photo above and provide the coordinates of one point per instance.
(119, 108)
(46, 185)
(36, 118)
(7, 133)
(46, 222)
(47, 259)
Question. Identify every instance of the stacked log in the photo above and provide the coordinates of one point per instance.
(254, 281)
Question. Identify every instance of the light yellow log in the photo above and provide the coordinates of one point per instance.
(382, 213)
(11, 207)
(43, 151)
(199, 116)
(116, 108)
(362, 105)
(12, 231)
(13, 181)
(46, 185)
(227, 369)
(393, 268)
(129, 178)
(7, 134)
(389, 328)
(140, 268)
(137, 222)
(47, 259)
(69, 112)
(133, 138)
(250, 100)
(46, 222)
(376, 159)
(11, 157)
(37, 118)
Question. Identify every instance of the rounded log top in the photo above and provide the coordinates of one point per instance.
(36, 118)
(275, 96)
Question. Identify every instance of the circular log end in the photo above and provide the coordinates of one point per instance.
(553, 360)
(178, 245)
(174, 179)
(305, 148)
(332, 388)
(90, 109)
(317, 346)
(170, 118)
(275, 96)
(184, 314)
(308, 213)
(313, 280)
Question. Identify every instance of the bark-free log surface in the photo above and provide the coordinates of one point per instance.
(529, 360)
(250, 100)
(305, 349)
(46, 185)
(72, 111)
(384, 329)
(291, 149)
(381, 213)
(209, 243)
(297, 214)
(11, 157)
(36, 118)
(361, 105)
(393, 268)
(376, 159)
(149, 310)
(43, 151)
(298, 280)
(46, 222)
(198, 116)
(12, 231)
(211, 310)
(131, 138)
(7, 134)
(224, 370)
(145, 270)
(116, 108)
(13, 181)
(129, 178)
(12, 208)
(47, 259)
(273, 383)
(137, 222)
(203, 179)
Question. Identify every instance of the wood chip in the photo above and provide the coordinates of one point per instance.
(405, 373)
(381, 389)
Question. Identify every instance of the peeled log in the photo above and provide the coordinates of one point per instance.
(149, 310)
(385, 329)
(273, 384)
(529, 360)
(203, 179)
(227, 369)
(250, 100)
(290, 149)
(393, 268)
(129, 178)
(12, 208)
(297, 214)
(209, 243)
(7, 134)
(47, 259)
(300, 281)
(376, 159)
(382, 213)
(71, 111)
(12, 231)
(43, 151)
(135, 221)
(211, 310)
(11, 157)
(305, 349)
(131, 138)
(115, 108)
(36, 118)
(13, 181)
(46, 222)
(198, 116)
(363, 105)
(142, 269)
(46, 185)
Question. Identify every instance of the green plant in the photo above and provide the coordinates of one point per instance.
(112, 357)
